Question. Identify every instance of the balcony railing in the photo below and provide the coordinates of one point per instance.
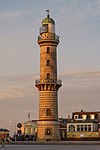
(48, 81)
(49, 37)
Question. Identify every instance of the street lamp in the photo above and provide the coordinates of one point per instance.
(9, 127)
(15, 132)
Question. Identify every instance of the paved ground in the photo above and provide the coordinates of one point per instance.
(50, 147)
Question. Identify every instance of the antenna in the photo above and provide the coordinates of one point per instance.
(48, 13)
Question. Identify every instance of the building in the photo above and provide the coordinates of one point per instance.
(26, 131)
(48, 85)
(63, 128)
(29, 128)
(83, 125)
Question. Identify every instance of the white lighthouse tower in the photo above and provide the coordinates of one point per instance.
(48, 84)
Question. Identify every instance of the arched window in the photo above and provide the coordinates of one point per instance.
(48, 112)
(48, 75)
(71, 128)
(48, 131)
(48, 49)
(48, 62)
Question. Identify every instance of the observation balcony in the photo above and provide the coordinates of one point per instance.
(48, 36)
(48, 81)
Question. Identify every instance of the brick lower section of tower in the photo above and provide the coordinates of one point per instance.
(42, 125)
(48, 99)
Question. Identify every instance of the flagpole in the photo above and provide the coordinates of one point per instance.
(29, 116)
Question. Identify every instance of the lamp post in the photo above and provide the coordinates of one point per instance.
(19, 125)
(9, 127)
(15, 130)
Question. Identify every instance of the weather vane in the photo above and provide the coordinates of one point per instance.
(48, 13)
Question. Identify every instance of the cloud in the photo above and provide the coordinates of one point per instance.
(12, 92)
(93, 8)
(18, 94)
(82, 75)
(11, 16)
(77, 13)
(17, 86)
(14, 19)
(80, 88)
(86, 79)
(23, 85)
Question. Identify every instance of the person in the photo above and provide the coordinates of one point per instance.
(3, 144)
(3, 141)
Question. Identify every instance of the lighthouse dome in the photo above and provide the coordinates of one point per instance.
(48, 25)
(48, 20)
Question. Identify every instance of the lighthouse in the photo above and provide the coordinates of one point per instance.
(48, 84)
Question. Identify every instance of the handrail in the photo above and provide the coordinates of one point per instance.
(46, 81)
(49, 37)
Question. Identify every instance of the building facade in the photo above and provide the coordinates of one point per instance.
(29, 128)
(48, 84)
(83, 124)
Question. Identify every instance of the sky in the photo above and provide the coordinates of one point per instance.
(78, 54)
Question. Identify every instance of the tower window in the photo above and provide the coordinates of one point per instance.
(48, 49)
(46, 27)
(48, 112)
(48, 62)
(48, 131)
(48, 75)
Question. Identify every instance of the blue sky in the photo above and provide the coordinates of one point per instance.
(78, 25)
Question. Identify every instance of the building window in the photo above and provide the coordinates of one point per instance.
(71, 128)
(28, 130)
(78, 127)
(92, 116)
(46, 27)
(85, 127)
(48, 62)
(75, 117)
(81, 127)
(89, 127)
(88, 116)
(48, 131)
(48, 112)
(80, 116)
(48, 49)
(48, 75)
(96, 116)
